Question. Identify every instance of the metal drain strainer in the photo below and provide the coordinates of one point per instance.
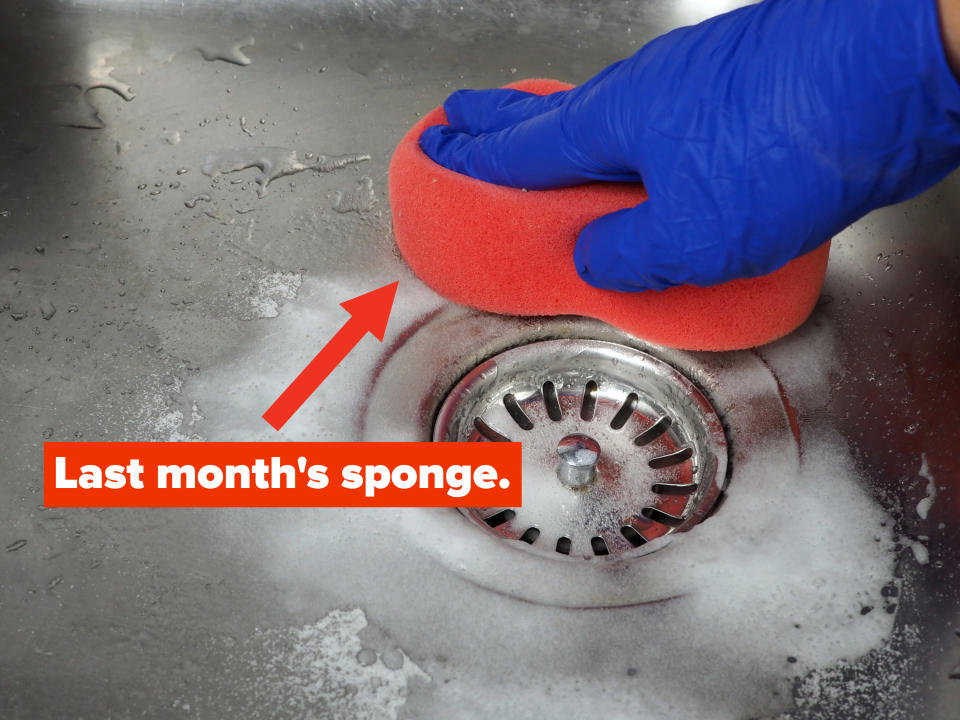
(619, 448)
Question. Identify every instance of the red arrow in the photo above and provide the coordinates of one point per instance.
(369, 314)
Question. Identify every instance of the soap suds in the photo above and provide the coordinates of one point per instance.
(878, 685)
(920, 552)
(783, 570)
(360, 199)
(309, 672)
(271, 290)
(240, 392)
(161, 414)
(923, 507)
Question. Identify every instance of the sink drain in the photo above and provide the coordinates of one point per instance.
(619, 448)
(610, 481)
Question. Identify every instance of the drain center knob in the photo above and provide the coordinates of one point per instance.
(579, 455)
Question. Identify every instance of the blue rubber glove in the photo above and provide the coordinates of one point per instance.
(759, 134)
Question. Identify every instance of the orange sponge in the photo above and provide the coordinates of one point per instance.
(510, 251)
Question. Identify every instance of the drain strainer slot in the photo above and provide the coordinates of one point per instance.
(619, 448)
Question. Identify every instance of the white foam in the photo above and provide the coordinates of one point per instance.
(785, 569)
(323, 669)
(923, 507)
(881, 680)
(235, 396)
(920, 553)
(271, 290)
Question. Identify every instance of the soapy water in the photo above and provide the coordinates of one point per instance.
(790, 587)
(360, 199)
(275, 162)
(614, 676)
(879, 680)
(327, 664)
(270, 292)
(774, 585)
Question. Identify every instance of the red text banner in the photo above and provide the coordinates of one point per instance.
(281, 474)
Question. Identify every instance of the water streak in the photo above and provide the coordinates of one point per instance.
(231, 52)
(274, 162)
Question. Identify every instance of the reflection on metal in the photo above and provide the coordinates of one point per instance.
(492, 377)
(579, 455)
(650, 460)
(148, 294)
(955, 673)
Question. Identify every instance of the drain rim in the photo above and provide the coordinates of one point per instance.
(437, 348)
(647, 384)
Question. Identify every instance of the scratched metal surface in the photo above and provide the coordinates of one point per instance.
(142, 299)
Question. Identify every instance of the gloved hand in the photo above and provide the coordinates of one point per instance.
(759, 134)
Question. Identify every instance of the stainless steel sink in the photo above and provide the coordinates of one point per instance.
(186, 201)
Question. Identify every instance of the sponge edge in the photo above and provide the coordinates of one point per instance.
(510, 251)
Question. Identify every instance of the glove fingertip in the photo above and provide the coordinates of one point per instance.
(595, 256)
(610, 253)
(481, 111)
(453, 107)
(580, 261)
(438, 143)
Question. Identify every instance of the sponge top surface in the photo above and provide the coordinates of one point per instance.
(510, 251)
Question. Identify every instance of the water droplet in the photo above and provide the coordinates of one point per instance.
(192, 202)
(76, 110)
(47, 308)
(230, 52)
(366, 657)
(392, 659)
